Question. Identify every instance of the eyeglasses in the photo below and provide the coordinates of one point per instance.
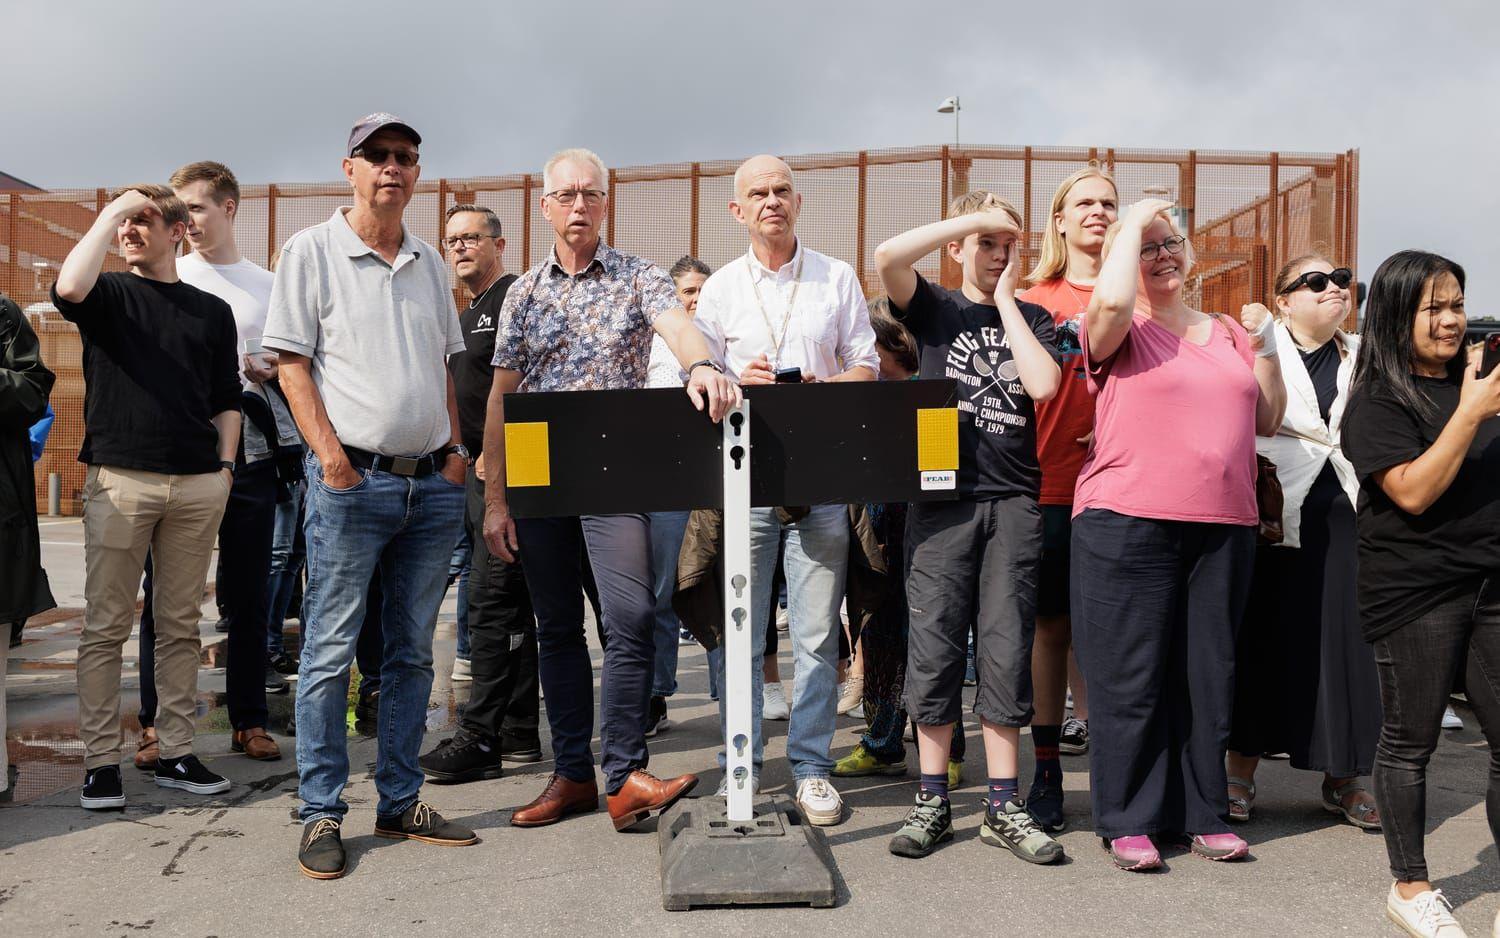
(593, 198)
(1317, 281)
(1150, 251)
(378, 155)
(467, 240)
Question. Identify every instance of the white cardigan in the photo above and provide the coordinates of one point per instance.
(1304, 443)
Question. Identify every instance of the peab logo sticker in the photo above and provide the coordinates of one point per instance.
(942, 481)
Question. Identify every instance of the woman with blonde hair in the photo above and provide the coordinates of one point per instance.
(1083, 208)
(1305, 680)
(1164, 524)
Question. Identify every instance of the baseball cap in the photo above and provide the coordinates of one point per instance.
(380, 120)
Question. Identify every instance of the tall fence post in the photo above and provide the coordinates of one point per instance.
(696, 174)
(526, 221)
(1273, 225)
(859, 223)
(609, 233)
(1026, 206)
(1188, 191)
(13, 245)
(270, 225)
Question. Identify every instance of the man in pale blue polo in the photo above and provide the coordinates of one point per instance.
(363, 317)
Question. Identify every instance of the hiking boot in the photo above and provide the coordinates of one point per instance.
(928, 823)
(321, 855)
(1074, 739)
(188, 774)
(464, 757)
(656, 716)
(421, 822)
(1045, 804)
(103, 789)
(862, 762)
(1012, 828)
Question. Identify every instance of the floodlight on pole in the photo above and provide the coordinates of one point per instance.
(950, 105)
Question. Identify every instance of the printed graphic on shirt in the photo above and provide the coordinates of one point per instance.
(485, 323)
(989, 382)
(1069, 346)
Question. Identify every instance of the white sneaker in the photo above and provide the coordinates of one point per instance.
(851, 692)
(723, 791)
(773, 705)
(1427, 916)
(461, 670)
(821, 804)
(783, 619)
(1451, 720)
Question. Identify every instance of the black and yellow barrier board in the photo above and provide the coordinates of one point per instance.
(609, 452)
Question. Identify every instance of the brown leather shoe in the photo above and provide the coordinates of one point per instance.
(148, 751)
(255, 743)
(559, 799)
(643, 794)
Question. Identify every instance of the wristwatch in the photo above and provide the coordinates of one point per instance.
(707, 361)
(227, 464)
(461, 450)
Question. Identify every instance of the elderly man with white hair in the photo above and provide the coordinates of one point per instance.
(784, 312)
(582, 320)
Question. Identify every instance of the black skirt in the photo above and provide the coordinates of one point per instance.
(1305, 680)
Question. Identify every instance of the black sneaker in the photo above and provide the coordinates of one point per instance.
(283, 664)
(188, 774)
(1045, 804)
(514, 749)
(321, 855)
(656, 717)
(464, 758)
(1074, 740)
(367, 708)
(275, 683)
(222, 624)
(103, 789)
(420, 822)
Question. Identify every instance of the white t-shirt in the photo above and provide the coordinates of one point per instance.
(244, 285)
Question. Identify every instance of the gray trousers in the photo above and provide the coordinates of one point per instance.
(972, 562)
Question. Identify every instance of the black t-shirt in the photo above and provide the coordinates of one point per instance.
(1322, 365)
(1409, 564)
(159, 361)
(471, 368)
(960, 339)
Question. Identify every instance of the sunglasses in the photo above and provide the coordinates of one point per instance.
(378, 155)
(1317, 281)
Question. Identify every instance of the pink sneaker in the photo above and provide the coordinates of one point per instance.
(1136, 853)
(1220, 846)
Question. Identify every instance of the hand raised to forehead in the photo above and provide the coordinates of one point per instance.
(1146, 211)
(131, 203)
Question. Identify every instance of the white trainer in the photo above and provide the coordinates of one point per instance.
(723, 791)
(1451, 720)
(1427, 916)
(462, 671)
(821, 804)
(773, 705)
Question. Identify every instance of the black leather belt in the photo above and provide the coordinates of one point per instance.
(409, 466)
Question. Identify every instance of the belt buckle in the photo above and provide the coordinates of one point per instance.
(404, 465)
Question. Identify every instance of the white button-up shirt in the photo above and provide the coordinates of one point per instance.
(742, 311)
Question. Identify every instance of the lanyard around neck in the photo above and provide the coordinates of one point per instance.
(786, 320)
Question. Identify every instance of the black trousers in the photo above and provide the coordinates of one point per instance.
(503, 703)
(1418, 663)
(244, 566)
(1155, 608)
(619, 549)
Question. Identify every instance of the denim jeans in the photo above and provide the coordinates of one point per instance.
(667, 529)
(287, 557)
(1418, 664)
(405, 528)
(816, 559)
(458, 572)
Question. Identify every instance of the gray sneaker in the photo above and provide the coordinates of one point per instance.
(928, 823)
(1014, 829)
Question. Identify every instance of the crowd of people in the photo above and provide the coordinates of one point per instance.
(1116, 546)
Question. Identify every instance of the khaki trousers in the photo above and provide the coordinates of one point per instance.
(127, 511)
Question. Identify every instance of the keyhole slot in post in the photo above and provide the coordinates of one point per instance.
(738, 581)
(737, 421)
(738, 455)
(739, 615)
(740, 742)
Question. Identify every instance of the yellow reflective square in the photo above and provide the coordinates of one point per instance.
(528, 461)
(937, 438)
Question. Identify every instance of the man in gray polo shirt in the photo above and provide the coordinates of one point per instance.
(363, 317)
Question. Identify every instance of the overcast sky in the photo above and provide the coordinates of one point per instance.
(102, 92)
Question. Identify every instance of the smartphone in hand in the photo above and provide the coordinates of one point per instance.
(789, 376)
(1491, 358)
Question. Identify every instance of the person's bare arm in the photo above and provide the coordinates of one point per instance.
(499, 526)
(1270, 403)
(1112, 307)
(454, 466)
(228, 424)
(1037, 369)
(896, 259)
(312, 421)
(80, 269)
(688, 345)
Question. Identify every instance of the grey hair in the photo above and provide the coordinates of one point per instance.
(574, 155)
(688, 264)
(490, 217)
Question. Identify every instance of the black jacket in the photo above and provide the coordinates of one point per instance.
(25, 384)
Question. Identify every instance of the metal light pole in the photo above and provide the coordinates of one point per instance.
(950, 105)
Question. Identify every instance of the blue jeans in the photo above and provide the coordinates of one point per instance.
(458, 571)
(405, 528)
(816, 559)
(667, 529)
(287, 556)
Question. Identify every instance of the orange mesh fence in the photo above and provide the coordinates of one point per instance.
(1247, 214)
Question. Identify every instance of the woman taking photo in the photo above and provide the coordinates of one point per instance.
(1305, 679)
(1422, 433)
(1164, 522)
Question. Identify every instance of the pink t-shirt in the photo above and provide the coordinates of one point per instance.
(1174, 427)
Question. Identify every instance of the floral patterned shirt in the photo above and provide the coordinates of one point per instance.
(589, 331)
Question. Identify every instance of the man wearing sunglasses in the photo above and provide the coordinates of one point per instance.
(363, 318)
(583, 320)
